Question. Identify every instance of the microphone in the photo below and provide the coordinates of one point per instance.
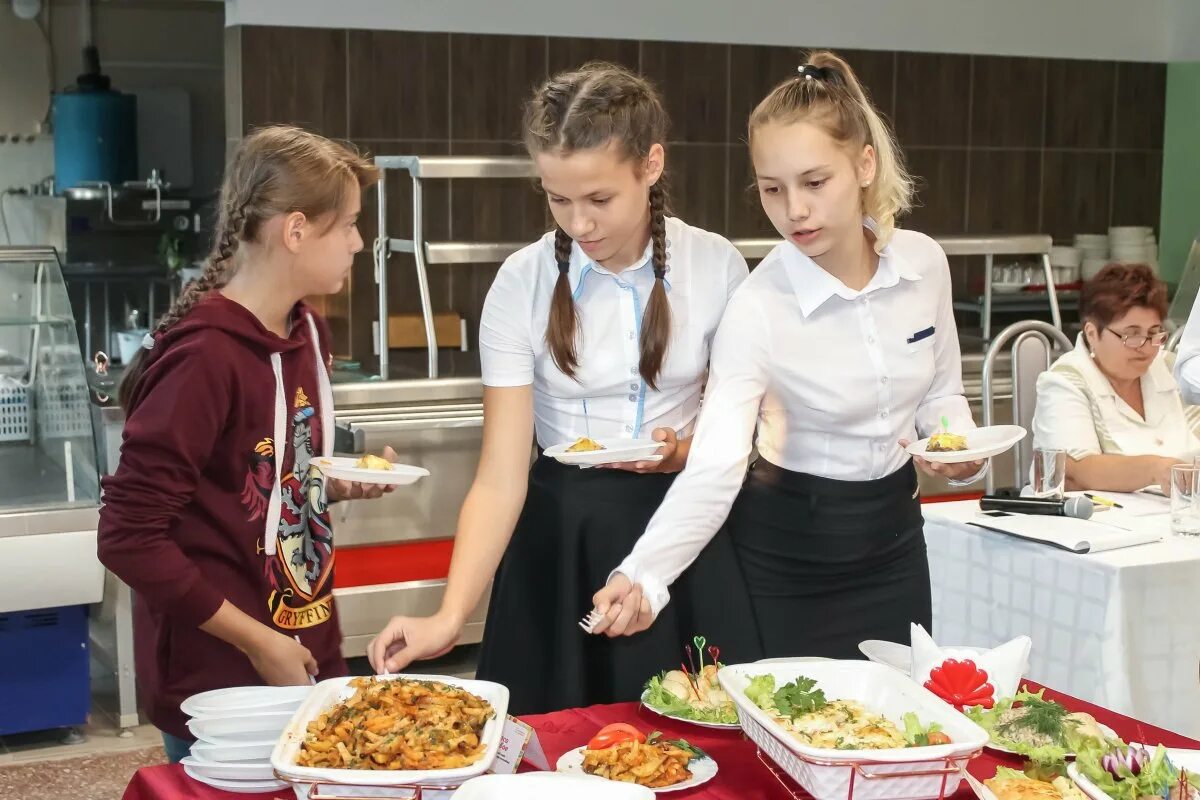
(1077, 507)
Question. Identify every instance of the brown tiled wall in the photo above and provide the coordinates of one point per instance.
(1000, 144)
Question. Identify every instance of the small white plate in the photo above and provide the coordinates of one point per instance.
(342, 468)
(225, 753)
(232, 771)
(1007, 288)
(720, 726)
(549, 786)
(616, 451)
(703, 770)
(981, 443)
(890, 654)
(240, 787)
(251, 728)
(244, 700)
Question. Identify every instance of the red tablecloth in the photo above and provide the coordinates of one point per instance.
(741, 775)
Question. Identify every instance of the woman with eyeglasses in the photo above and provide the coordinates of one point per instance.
(1112, 403)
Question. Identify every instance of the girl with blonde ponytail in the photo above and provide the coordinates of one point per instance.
(600, 329)
(832, 356)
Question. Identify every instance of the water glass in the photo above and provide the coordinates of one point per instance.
(1049, 473)
(1185, 500)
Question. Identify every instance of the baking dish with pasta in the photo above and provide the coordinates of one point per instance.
(393, 730)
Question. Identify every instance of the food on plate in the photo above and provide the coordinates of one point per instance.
(946, 442)
(373, 462)
(585, 445)
(1041, 730)
(803, 710)
(1012, 785)
(1132, 772)
(621, 752)
(690, 693)
(398, 724)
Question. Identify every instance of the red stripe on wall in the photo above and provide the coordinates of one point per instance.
(393, 563)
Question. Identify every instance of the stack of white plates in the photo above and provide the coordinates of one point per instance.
(1133, 244)
(1093, 251)
(1065, 263)
(236, 730)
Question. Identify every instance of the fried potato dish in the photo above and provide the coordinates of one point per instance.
(651, 764)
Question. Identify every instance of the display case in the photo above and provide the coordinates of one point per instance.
(49, 497)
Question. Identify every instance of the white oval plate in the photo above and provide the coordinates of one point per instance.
(703, 770)
(890, 654)
(1182, 759)
(981, 443)
(244, 700)
(720, 726)
(999, 748)
(240, 787)
(254, 728)
(549, 786)
(246, 771)
(226, 753)
(342, 468)
(616, 451)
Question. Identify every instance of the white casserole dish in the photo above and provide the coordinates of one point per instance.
(913, 773)
(330, 692)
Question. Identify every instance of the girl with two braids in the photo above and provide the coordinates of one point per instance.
(832, 356)
(215, 516)
(600, 329)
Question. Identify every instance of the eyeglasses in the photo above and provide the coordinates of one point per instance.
(1136, 340)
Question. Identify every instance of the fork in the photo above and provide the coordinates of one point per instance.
(590, 621)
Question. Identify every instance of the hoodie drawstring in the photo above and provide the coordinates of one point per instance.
(279, 444)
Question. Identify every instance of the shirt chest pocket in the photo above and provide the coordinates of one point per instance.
(921, 341)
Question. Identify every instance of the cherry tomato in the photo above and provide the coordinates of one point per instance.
(614, 734)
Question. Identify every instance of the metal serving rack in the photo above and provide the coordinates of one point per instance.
(426, 253)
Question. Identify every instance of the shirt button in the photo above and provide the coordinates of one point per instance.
(870, 340)
(629, 429)
(633, 370)
(633, 398)
(883, 379)
(883, 414)
(633, 386)
(632, 335)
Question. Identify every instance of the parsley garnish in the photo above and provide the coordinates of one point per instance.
(799, 697)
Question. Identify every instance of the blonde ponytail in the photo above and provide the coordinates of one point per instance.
(827, 91)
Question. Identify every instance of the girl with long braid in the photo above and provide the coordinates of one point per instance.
(601, 329)
(214, 516)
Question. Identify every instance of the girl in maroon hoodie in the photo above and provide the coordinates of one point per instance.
(215, 517)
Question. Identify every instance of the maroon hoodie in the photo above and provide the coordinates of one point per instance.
(184, 516)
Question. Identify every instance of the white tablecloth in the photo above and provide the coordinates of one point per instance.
(1120, 629)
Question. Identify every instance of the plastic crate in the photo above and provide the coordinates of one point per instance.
(14, 412)
(44, 680)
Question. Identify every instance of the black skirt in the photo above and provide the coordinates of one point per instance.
(831, 563)
(576, 527)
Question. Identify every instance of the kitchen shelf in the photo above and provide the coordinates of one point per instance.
(26, 322)
(426, 253)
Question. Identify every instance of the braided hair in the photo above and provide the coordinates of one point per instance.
(599, 104)
(275, 170)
